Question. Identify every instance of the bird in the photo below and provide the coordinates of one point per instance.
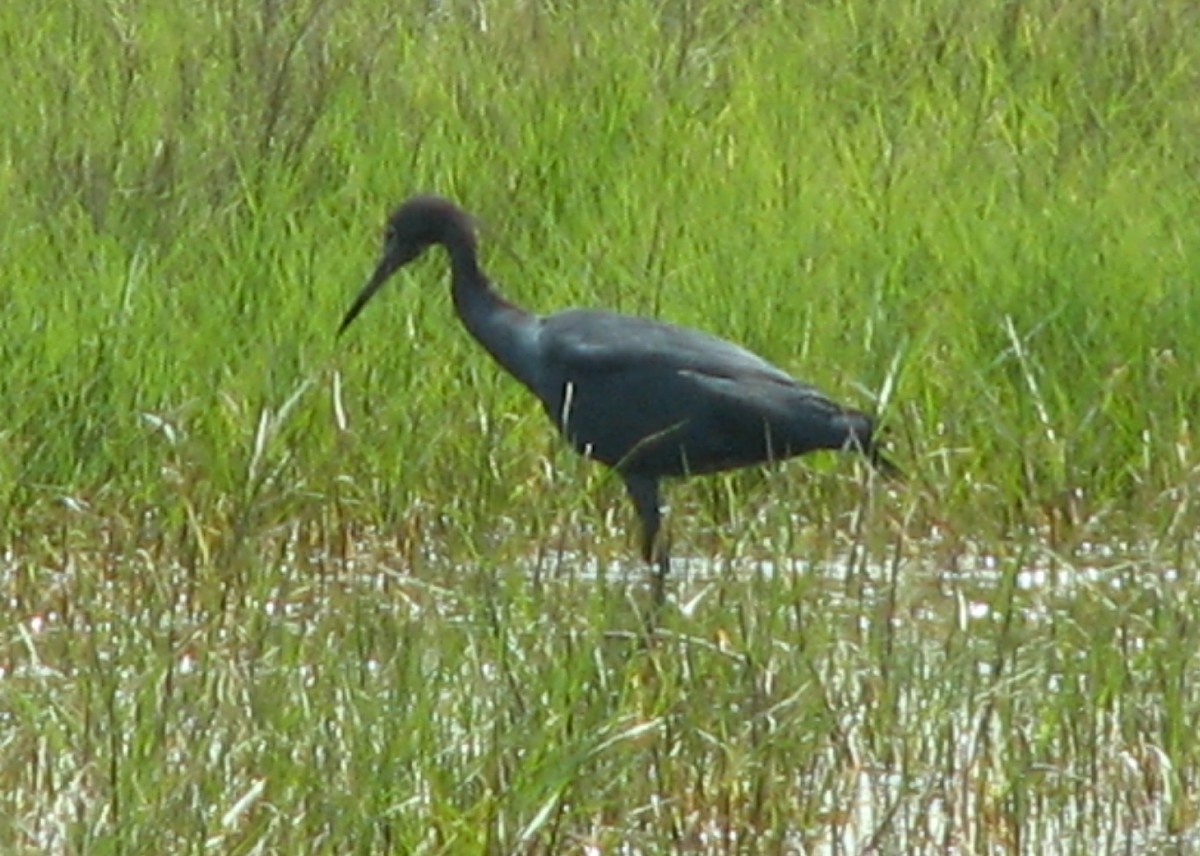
(649, 399)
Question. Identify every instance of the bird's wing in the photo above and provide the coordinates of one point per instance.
(592, 342)
(762, 396)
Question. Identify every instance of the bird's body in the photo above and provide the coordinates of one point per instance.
(660, 400)
(647, 398)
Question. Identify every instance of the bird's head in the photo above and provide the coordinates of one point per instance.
(418, 223)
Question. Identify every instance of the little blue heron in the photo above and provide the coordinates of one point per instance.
(646, 398)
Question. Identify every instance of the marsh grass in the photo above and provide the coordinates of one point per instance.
(269, 593)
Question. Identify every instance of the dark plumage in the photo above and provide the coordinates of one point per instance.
(647, 398)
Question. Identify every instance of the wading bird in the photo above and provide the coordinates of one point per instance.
(646, 398)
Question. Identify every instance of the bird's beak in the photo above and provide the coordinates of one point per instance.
(387, 266)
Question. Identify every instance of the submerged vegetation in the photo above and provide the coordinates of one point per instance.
(272, 593)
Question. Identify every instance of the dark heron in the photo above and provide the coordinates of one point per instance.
(646, 398)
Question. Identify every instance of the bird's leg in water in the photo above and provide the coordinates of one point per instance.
(643, 490)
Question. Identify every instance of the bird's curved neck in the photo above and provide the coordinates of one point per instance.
(508, 332)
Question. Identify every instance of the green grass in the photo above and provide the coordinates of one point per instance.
(269, 592)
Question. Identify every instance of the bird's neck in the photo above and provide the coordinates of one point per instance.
(508, 332)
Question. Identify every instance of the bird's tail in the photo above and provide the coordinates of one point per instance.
(884, 465)
(862, 436)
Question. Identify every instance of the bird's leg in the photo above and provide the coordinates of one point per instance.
(643, 490)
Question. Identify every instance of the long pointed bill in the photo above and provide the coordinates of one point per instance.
(386, 267)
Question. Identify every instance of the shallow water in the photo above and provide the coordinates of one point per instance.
(943, 799)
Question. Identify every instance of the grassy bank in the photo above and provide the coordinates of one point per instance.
(272, 592)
